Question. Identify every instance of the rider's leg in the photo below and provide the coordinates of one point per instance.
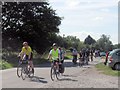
(62, 61)
(32, 66)
(57, 66)
(87, 59)
(91, 58)
(31, 62)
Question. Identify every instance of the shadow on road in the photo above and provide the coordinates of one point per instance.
(69, 76)
(38, 79)
(68, 79)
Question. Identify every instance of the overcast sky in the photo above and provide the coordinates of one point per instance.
(88, 17)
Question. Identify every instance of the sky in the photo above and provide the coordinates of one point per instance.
(88, 17)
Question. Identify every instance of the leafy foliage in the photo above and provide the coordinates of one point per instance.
(89, 40)
(104, 43)
(34, 22)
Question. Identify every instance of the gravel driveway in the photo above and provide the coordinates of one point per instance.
(74, 77)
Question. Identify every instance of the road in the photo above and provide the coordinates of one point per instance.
(74, 77)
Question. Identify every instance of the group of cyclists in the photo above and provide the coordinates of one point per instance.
(85, 55)
(56, 54)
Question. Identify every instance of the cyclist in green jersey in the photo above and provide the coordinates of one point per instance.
(54, 55)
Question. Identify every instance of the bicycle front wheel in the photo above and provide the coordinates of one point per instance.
(24, 72)
(52, 73)
(19, 68)
(58, 74)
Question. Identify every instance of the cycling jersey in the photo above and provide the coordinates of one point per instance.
(27, 51)
(55, 54)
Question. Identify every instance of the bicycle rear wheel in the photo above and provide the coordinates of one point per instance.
(24, 72)
(52, 73)
(19, 68)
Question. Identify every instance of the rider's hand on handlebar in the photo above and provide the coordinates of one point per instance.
(48, 59)
(18, 56)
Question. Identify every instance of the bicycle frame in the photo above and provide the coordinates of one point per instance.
(55, 64)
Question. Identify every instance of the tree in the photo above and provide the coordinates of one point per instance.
(34, 22)
(104, 43)
(71, 41)
(116, 46)
(89, 40)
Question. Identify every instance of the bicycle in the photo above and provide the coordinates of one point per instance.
(81, 61)
(54, 73)
(19, 68)
(24, 69)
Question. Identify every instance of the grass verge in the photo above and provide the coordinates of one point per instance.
(107, 70)
(68, 55)
(5, 65)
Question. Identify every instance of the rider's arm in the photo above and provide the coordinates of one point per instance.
(30, 51)
(50, 55)
(59, 54)
(29, 56)
(63, 54)
(21, 53)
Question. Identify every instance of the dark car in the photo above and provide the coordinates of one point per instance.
(114, 59)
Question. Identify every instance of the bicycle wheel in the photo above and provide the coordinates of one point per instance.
(19, 68)
(30, 73)
(58, 75)
(80, 62)
(52, 73)
(61, 68)
(24, 72)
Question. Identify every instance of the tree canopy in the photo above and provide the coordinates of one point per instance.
(34, 22)
(89, 40)
(104, 43)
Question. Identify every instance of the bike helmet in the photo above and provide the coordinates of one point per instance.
(54, 44)
(25, 43)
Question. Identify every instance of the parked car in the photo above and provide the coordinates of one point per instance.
(114, 59)
(102, 54)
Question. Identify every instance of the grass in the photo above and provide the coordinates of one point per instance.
(107, 70)
(12, 60)
(5, 65)
(68, 55)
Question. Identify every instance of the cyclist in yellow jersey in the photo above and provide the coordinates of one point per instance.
(54, 54)
(27, 51)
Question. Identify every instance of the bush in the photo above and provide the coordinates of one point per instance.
(5, 65)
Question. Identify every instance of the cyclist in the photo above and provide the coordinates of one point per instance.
(27, 52)
(62, 54)
(74, 53)
(91, 52)
(55, 55)
(80, 58)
